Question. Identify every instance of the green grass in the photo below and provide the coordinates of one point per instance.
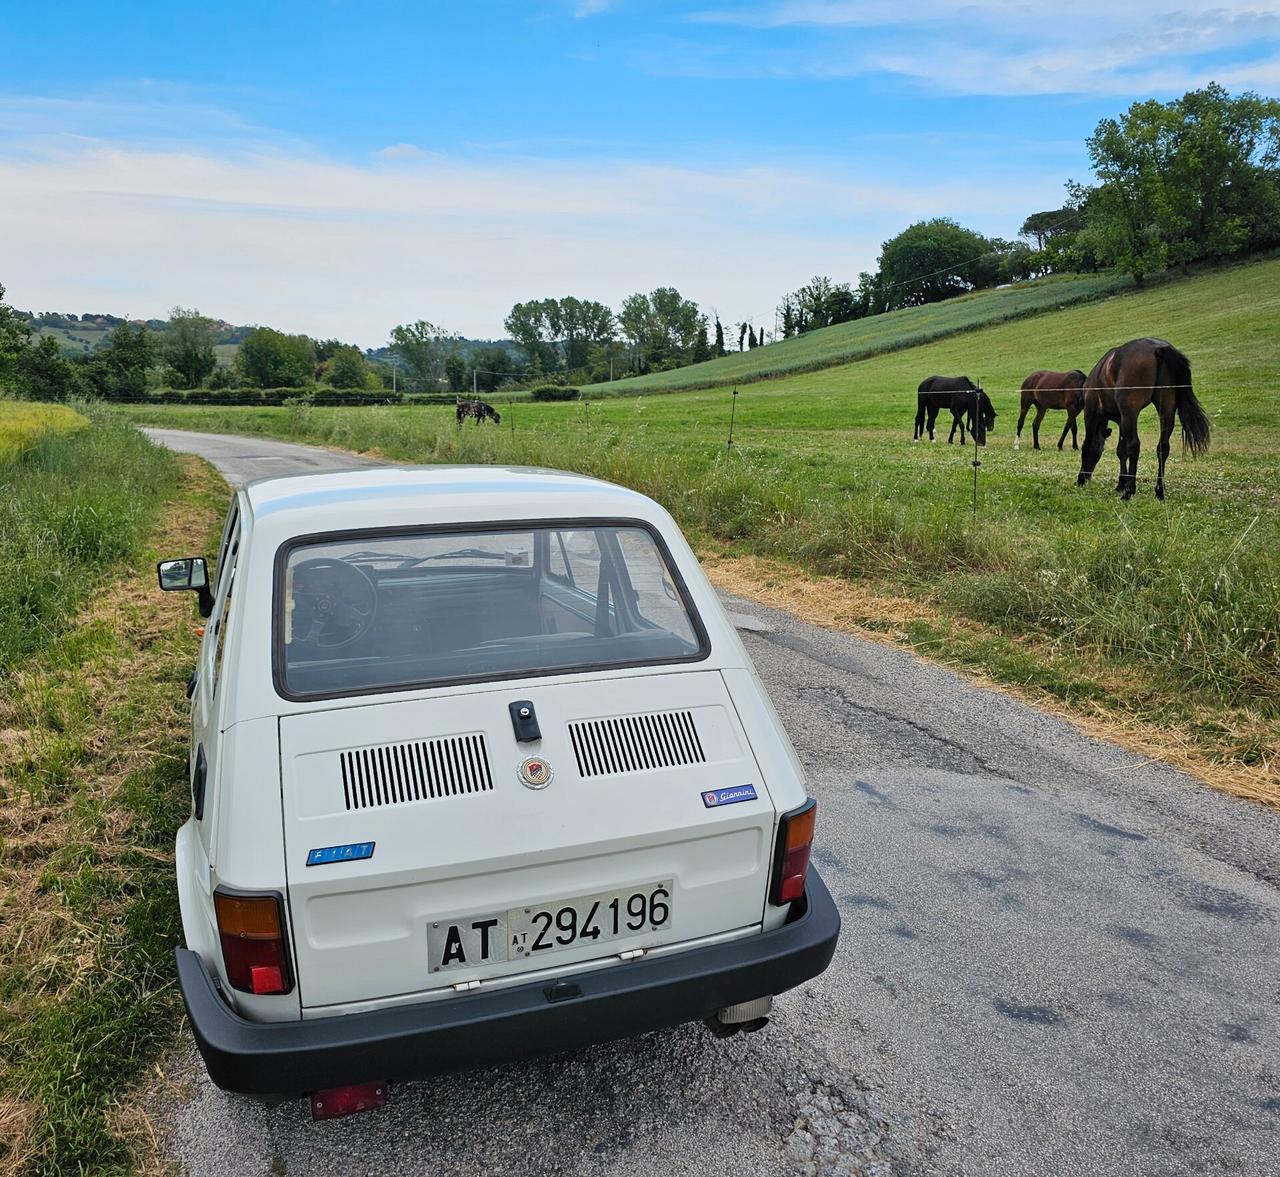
(876, 335)
(1170, 611)
(70, 503)
(92, 787)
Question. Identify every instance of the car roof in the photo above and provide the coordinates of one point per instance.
(380, 496)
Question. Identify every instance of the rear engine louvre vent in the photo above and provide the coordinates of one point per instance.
(635, 743)
(395, 774)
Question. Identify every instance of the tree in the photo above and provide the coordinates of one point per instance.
(1043, 227)
(701, 346)
(742, 336)
(491, 367)
(818, 303)
(41, 374)
(751, 339)
(187, 347)
(455, 371)
(15, 338)
(422, 348)
(719, 338)
(933, 260)
(347, 367)
(271, 359)
(662, 326)
(560, 330)
(121, 367)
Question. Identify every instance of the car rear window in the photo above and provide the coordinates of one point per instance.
(377, 611)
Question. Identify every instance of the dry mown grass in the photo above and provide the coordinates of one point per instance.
(835, 603)
(91, 788)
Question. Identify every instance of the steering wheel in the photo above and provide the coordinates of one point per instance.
(334, 603)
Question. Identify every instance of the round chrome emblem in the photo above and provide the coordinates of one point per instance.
(536, 773)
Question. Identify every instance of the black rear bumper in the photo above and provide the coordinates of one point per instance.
(481, 1028)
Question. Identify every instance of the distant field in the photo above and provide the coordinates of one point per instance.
(876, 335)
(1170, 612)
(22, 424)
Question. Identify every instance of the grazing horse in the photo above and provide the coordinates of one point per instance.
(1051, 390)
(1128, 378)
(963, 398)
(477, 409)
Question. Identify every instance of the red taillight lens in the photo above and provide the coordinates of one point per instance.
(251, 928)
(791, 858)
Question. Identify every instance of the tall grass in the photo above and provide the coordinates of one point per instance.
(70, 503)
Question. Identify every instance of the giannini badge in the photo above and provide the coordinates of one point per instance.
(536, 773)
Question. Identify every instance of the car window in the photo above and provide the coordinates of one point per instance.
(383, 612)
(220, 619)
(229, 528)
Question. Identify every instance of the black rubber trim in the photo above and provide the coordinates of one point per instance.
(278, 676)
(482, 1028)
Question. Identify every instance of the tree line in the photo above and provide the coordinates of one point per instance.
(1176, 182)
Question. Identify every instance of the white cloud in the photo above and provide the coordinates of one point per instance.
(401, 151)
(349, 249)
(1008, 47)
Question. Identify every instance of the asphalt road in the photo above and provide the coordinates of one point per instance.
(1056, 959)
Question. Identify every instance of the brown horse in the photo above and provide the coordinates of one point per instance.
(1128, 378)
(1051, 390)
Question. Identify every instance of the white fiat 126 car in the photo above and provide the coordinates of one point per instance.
(479, 769)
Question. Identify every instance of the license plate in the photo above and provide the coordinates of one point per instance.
(528, 933)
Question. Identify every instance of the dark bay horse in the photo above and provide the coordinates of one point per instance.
(477, 409)
(963, 398)
(1051, 390)
(1128, 378)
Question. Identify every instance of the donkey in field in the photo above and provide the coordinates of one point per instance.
(477, 409)
(968, 403)
(1128, 378)
(1051, 390)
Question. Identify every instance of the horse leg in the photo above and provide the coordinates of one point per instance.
(956, 421)
(933, 417)
(1129, 478)
(919, 421)
(1035, 426)
(1122, 448)
(1070, 426)
(1162, 448)
(1022, 416)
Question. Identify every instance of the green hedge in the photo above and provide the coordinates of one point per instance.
(554, 392)
(260, 397)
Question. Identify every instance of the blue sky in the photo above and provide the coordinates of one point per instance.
(338, 167)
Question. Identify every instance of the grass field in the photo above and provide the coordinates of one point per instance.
(92, 787)
(876, 335)
(74, 496)
(1164, 613)
(22, 424)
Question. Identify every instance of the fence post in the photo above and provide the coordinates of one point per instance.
(977, 417)
(732, 412)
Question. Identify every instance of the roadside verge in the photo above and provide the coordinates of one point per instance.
(92, 786)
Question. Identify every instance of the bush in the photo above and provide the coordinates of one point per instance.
(554, 392)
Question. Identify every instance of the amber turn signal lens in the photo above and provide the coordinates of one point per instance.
(791, 856)
(257, 917)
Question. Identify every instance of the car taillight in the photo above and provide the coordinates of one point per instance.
(253, 950)
(791, 858)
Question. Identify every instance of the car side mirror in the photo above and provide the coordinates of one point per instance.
(190, 574)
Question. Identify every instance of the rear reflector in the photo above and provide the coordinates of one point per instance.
(251, 928)
(791, 858)
(346, 1101)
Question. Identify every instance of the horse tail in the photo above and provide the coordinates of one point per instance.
(1191, 415)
